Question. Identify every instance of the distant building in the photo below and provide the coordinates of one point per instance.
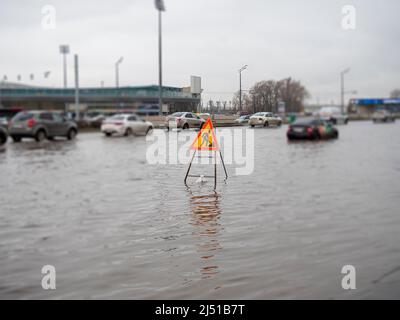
(132, 98)
(365, 106)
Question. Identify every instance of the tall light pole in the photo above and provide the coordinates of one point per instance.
(77, 116)
(117, 71)
(240, 86)
(342, 88)
(160, 7)
(64, 50)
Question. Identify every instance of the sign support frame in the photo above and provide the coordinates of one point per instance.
(214, 151)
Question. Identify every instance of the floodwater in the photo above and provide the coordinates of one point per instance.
(117, 227)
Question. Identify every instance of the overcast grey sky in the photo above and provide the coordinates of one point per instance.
(209, 38)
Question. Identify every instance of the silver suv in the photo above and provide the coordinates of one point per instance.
(41, 125)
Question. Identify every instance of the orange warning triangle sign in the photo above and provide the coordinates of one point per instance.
(206, 139)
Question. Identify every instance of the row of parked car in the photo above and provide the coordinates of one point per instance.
(332, 115)
(47, 125)
(265, 119)
(311, 129)
(41, 125)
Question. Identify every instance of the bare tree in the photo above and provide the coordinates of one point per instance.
(266, 95)
(293, 93)
(395, 94)
(246, 102)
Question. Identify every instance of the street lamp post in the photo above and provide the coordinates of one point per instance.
(160, 7)
(117, 71)
(240, 86)
(64, 50)
(77, 115)
(342, 88)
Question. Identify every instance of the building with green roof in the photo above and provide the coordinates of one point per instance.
(37, 98)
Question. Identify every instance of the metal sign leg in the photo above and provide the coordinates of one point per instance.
(215, 170)
(190, 165)
(223, 164)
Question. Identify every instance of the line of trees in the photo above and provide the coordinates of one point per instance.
(266, 96)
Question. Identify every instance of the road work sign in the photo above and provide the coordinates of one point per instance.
(206, 140)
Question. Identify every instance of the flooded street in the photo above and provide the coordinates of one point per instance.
(116, 227)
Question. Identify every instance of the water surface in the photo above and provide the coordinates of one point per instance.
(115, 227)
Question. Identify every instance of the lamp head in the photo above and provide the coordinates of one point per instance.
(345, 71)
(160, 5)
(243, 68)
(64, 49)
(120, 60)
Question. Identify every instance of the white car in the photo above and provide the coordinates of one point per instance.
(265, 119)
(126, 124)
(383, 116)
(332, 115)
(184, 120)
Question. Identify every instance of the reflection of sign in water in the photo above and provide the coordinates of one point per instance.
(205, 218)
(206, 139)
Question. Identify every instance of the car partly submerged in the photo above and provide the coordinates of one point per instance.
(311, 129)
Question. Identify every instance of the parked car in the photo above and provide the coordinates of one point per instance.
(383, 116)
(265, 119)
(332, 115)
(126, 124)
(184, 120)
(3, 131)
(41, 125)
(243, 119)
(312, 129)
